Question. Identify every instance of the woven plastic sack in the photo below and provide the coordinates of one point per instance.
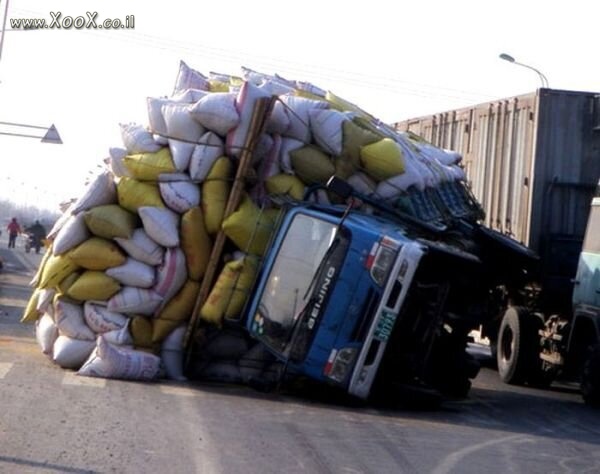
(141, 247)
(230, 292)
(133, 273)
(285, 184)
(97, 254)
(115, 162)
(326, 126)
(195, 243)
(71, 353)
(134, 194)
(311, 165)
(382, 159)
(171, 275)
(73, 232)
(118, 362)
(287, 146)
(245, 102)
(101, 320)
(70, 321)
(46, 333)
(110, 221)
(215, 192)
(180, 196)
(56, 268)
(188, 78)
(100, 191)
(217, 112)
(133, 300)
(249, 227)
(161, 224)
(180, 124)
(172, 354)
(209, 148)
(31, 312)
(141, 332)
(93, 285)
(148, 166)
(298, 111)
(175, 312)
(136, 139)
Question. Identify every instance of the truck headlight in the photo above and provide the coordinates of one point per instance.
(382, 259)
(340, 363)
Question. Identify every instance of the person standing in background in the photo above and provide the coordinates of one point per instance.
(14, 229)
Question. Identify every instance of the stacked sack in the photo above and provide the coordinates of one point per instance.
(115, 291)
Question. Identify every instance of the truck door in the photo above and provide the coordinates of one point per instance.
(586, 290)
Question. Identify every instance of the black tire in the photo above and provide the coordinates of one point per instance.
(590, 377)
(518, 348)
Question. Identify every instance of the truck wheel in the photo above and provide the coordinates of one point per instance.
(590, 377)
(518, 348)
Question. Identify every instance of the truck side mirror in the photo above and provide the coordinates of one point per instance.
(339, 187)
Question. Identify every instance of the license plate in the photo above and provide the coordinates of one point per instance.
(385, 324)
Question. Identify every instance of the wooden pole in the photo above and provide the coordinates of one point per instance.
(258, 121)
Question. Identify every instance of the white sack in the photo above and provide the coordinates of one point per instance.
(136, 139)
(141, 247)
(161, 224)
(298, 109)
(133, 300)
(171, 275)
(326, 126)
(133, 273)
(172, 354)
(73, 232)
(70, 320)
(120, 362)
(102, 190)
(180, 124)
(101, 320)
(46, 333)
(71, 353)
(217, 112)
(209, 148)
(180, 196)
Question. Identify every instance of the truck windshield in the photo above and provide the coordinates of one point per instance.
(288, 287)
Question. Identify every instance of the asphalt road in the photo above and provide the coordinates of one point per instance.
(52, 421)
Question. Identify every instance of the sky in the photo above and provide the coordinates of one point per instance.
(396, 60)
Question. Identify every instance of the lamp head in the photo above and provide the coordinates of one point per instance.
(507, 57)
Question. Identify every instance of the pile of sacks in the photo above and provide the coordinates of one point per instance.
(115, 291)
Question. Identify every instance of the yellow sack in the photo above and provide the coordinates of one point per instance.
(141, 333)
(134, 194)
(383, 159)
(93, 285)
(97, 254)
(195, 242)
(354, 137)
(285, 184)
(38, 274)
(148, 166)
(215, 192)
(218, 86)
(31, 313)
(64, 285)
(249, 228)
(176, 311)
(230, 292)
(57, 268)
(110, 221)
(343, 105)
(312, 165)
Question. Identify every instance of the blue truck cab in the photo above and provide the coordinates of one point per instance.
(364, 303)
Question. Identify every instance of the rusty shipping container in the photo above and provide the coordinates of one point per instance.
(533, 161)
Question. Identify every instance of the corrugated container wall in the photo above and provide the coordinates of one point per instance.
(533, 161)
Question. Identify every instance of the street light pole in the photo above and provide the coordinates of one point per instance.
(510, 59)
